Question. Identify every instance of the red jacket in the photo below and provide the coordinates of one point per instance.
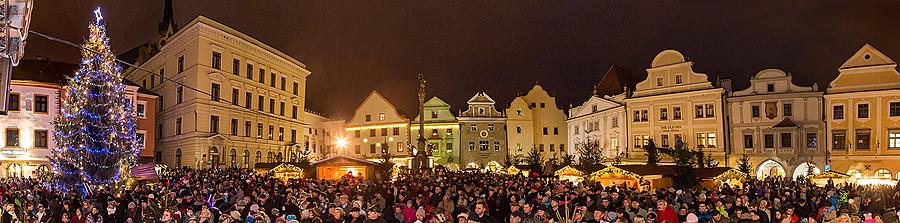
(667, 214)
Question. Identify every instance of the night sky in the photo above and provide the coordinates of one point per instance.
(504, 47)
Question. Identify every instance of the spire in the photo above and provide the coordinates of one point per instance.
(167, 26)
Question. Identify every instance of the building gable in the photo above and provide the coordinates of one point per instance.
(587, 108)
(868, 69)
(670, 72)
(375, 105)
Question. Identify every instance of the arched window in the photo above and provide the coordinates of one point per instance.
(233, 156)
(269, 156)
(214, 156)
(246, 160)
(178, 157)
(279, 157)
(258, 156)
(854, 174)
(883, 173)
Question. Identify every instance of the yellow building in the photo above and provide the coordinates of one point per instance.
(863, 116)
(674, 102)
(535, 122)
(441, 131)
(376, 123)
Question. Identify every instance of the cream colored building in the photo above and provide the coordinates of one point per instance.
(535, 122)
(863, 116)
(778, 125)
(441, 131)
(250, 103)
(322, 134)
(375, 123)
(601, 120)
(674, 102)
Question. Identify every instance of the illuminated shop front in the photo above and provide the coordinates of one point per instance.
(337, 167)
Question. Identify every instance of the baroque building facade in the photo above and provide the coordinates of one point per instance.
(535, 122)
(778, 125)
(601, 118)
(863, 116)
(483, 134)
(377, 125)
(675, 103)
(441, 131)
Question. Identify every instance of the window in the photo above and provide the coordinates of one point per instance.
(593, 108)
(381, 117)
(706, 140)
(755, 111)
(518, 129)
(259, 130)
(13, 102)
(261, 103)
(710, 111)
(811, 140)
(786, 140)
(641, 141)
(545, 131)
(496, 146)
(141, 110)
(179, 94)
(12, 137)
(519, 112)
(281, 108)
(636, 116)
(659, 81)
(272, 105)
(40, 138)
(271, 132)
(615, 122)
(250, 71)
(400, 147)
(236, 67)
(247, 127)
(664, 140)
(552, 148)
(491, 127)
(663, 114)
(371, 132)
(541, 147)
(234, 126)
(748, 141)
(678, 79)
(676, 113)
(248, 99)
(178, 158)
(40, 103)
(296, 88)
(483, 145)
(519, 147)
(235, 96)
(216, 60)
(396, 130)
(180, 64)
(838, 112)
(371, 148)
(294, 112)
(357, 149)
(368, 118)
(215, 92)
(863, 139)
(840, 140)
(214, 124)
(471, 146)
(262, 76)
(294, 136)
(280, 133)
(883, 173)
(769, 141)
(770, 87)
(894, 109)
(862, 111)
(473, 127)
(357, 133)
(383, 131)
(542, 104)
(283, 83)
(162, 75)
(894, 139)
(787, 110)
(698, 110)
(178, 126)
(272, 79)
(645, 115)
(555, 131)
(434, 114)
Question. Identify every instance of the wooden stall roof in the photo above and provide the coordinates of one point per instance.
(344, 160)
(568, 171)
(645, 170)
(829, 175)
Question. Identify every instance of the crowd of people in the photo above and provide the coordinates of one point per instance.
(237, 195)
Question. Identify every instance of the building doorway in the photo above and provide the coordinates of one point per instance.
(770, 168)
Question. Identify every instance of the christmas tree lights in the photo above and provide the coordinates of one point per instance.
(95, 130)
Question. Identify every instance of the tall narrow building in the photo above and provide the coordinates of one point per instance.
(441, 131)
(863, 113)
(482, 134)
(535, 122)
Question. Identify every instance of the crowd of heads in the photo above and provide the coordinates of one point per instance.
(239, 195)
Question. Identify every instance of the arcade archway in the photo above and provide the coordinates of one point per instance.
(805, 169)
(770, 168)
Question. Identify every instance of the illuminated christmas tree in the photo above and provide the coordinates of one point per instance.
(95, 130)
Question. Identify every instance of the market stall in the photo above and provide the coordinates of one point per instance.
(337, 167)
(512, 170)
(717, 176)
(569, 173)
(822, 179)
(286, 172)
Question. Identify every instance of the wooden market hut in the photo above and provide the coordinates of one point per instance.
(286, 172)
(634, 176)
(715, 176)
(569, 173)
(336, 167)
(821, 179)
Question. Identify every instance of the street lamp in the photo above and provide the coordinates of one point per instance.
(341, 143)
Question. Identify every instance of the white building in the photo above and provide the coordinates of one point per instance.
(778, 125)
(601, 120)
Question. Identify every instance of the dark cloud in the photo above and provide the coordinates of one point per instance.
(503, 47)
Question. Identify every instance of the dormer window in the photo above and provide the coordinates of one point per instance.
(659, 81)
(481, 111)
(434, 114)
(770, 87)
(519, 112)
(678, 79)
(594, 108)
(381, 117)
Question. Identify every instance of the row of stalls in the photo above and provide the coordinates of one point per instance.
(331, 168)
(646, 177)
